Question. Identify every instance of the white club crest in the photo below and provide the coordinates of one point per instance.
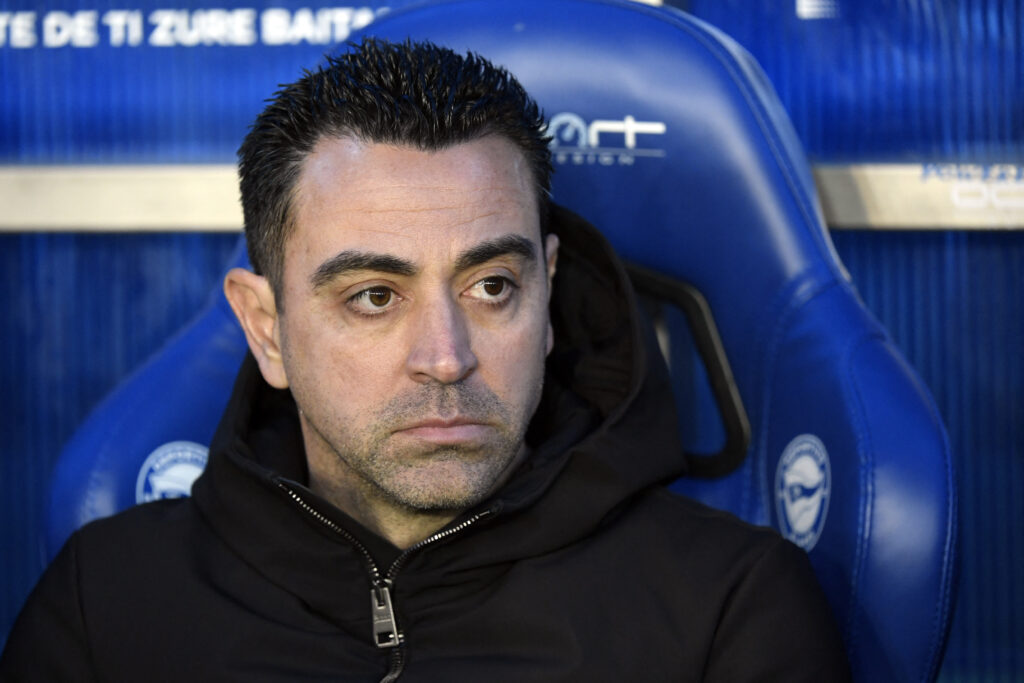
(803, 487)
(170, 471)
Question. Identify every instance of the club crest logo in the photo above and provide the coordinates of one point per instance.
(803, 486)
(170, 470)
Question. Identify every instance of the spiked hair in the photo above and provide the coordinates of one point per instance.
(412, 94)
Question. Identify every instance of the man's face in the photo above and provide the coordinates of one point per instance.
(414, 322)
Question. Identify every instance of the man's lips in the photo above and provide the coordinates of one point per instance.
(448, 431)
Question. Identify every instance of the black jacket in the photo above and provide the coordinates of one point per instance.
(582, 568)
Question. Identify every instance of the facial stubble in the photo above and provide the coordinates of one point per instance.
(424, 477)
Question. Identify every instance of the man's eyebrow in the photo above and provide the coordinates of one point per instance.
(491, 249)
(350, 260)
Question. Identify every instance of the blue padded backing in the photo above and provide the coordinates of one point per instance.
(722, 199)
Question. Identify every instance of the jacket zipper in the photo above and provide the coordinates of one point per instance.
(386, 633)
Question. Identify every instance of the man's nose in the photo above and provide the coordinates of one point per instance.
(440, 350)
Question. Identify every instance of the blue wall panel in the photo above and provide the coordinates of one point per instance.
(151, 102)
(891, 79)
(79, 313)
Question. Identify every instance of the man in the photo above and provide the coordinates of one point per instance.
(442, 459)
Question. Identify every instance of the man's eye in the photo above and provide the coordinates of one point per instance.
(494, 287)
(373, 300)
(492, 290)
(378, 297)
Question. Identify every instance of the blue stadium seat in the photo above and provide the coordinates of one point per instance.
(668, 137)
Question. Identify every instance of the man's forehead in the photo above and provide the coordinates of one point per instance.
(393, 171)
(354, 195)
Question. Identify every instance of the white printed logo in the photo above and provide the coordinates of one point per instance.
(803, 486)
(241, 26)
(575, 141)
(979, 186)
(170, 470)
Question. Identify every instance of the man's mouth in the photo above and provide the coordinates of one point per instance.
(452, 431)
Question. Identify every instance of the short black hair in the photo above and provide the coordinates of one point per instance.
(415, 94)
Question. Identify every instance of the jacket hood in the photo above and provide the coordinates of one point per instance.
(605, 430)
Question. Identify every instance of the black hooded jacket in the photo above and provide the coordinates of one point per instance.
(581, 568)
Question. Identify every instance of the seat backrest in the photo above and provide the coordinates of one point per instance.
(668, 137)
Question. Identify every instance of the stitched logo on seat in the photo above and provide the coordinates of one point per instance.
(605, 142)
(170, 470)
(803, 486)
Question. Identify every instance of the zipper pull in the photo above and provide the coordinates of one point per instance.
(385, 628)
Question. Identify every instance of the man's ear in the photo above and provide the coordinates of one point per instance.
(252, 299)
(551, 253)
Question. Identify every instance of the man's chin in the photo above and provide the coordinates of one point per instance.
(447, 485)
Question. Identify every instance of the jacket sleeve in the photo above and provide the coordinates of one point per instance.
(777, 625)
(48, 641)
